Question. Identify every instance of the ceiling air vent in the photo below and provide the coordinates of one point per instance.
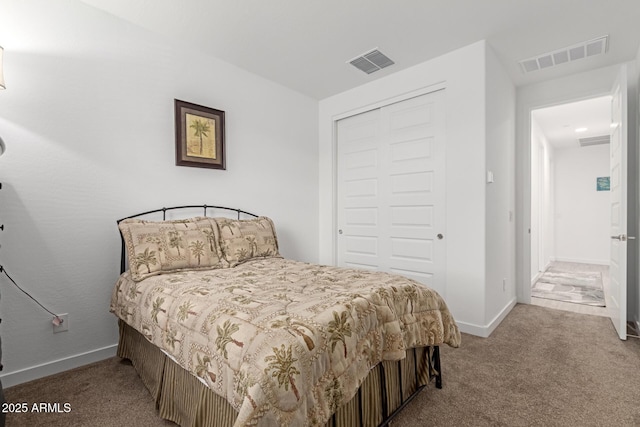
(582, 50)
(594, 140)
(371, 61)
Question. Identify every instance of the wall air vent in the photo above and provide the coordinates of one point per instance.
(371, 61)
(594, 140)
(582, 50)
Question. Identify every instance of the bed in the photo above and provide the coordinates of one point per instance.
(224, 331)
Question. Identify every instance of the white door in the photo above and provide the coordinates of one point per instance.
(359, 171)
(616, 292)
(391, 201)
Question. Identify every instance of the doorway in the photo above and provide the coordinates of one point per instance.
(570, 205)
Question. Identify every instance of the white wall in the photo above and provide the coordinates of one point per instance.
(463, 75)
(88, 122)
(582, 215)
(536, 195)
(542, 207)
(547, 211)
(500, 289)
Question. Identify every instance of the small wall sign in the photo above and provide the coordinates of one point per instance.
(602, 183)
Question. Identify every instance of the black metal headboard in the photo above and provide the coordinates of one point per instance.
(123, 254)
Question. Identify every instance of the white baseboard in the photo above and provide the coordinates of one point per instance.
(39, 371)
(584, 261)
(536, 277)
(472, 329)
(486, 330)
(540, 273)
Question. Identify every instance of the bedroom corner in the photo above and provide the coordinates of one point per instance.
(90, 117)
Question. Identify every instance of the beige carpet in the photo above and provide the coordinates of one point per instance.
(540, 367)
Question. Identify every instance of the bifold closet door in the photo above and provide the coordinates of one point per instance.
(390, 189)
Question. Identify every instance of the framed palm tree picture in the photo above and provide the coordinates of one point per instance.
(199, 136)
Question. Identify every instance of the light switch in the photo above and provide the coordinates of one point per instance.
(489, 177)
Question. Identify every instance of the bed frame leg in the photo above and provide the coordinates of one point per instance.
(436, 366)
(383, 384)
(404, 401)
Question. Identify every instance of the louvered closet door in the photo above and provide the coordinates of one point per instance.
(391, 206)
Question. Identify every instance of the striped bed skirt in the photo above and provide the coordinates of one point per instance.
(181, 397)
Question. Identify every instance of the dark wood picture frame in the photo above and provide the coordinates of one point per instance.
(199, 136)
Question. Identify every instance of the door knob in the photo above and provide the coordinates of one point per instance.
(622, 237)
(440, 236)
(340, 231)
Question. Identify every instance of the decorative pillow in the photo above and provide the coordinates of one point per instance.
(167, 246)
(242, 240)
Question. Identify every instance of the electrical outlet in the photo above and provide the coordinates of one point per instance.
(64, 326)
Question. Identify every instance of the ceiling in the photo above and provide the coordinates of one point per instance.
(559, 123)
(305, 45)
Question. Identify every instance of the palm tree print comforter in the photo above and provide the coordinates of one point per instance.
(285, 342)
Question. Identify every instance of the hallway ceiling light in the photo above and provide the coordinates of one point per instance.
(580, 130)
(575, 52)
